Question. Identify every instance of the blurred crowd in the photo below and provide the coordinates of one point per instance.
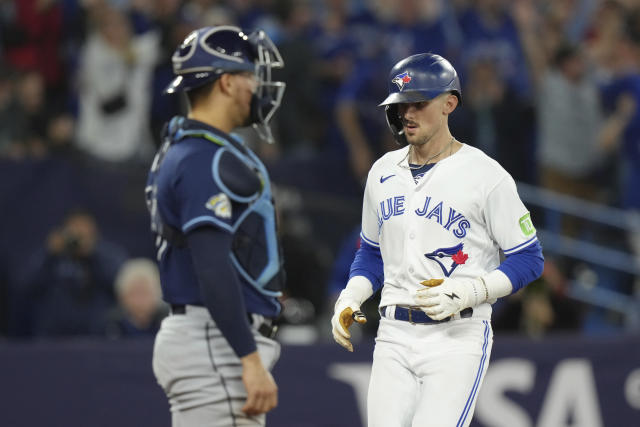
(550, 90)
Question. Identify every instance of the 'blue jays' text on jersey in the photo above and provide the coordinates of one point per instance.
(203, 177)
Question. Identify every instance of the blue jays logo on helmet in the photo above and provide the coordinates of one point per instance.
(453, 253)
(401, 80)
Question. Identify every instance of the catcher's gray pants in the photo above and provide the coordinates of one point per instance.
(201, 374)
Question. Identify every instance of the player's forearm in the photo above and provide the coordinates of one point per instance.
(220, 287)
(251, 361)
(368, 263)
(614, 126)
(358, 290)
(524, 266)
(494, 285)
(514, 273)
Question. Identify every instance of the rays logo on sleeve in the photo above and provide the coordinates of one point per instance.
(453, 253)
(220, 205)
(401, 80)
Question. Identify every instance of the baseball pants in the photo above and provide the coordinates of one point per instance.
(427, 375)
(200, 373)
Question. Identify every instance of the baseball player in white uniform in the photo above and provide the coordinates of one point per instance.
(436, 215)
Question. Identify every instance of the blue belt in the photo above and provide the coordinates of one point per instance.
(417, 316)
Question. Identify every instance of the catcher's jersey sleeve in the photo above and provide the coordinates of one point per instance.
(507, 219)
(198, 198)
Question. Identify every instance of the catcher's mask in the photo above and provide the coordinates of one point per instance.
(209, 52)
(418, 78)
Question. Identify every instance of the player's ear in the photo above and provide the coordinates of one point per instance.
(450, 103)
(225, 83)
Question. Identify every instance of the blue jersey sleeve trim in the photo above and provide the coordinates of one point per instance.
(524, 266)
(197, 220)
(368, 263)
(515, 248)
(369, 241)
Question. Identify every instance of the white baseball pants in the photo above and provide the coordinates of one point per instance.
(427, 375)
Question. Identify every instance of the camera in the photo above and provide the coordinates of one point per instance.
(71, 244)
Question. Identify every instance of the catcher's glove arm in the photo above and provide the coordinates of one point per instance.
(347, 309)
(441, 298)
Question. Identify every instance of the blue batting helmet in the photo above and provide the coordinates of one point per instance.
(418, 78)
(207, 53)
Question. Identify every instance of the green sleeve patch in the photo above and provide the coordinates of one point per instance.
(526, 225)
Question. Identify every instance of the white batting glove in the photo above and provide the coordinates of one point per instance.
(345, 313)
(442, 298)
(347, 309)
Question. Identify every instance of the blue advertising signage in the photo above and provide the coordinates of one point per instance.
(559, 381)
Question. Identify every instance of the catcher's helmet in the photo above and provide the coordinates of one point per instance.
(414, 79)
(209, 52)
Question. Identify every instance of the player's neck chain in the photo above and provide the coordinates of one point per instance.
(449, 146)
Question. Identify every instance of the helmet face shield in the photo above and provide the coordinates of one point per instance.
(269, 93)
(264, 104)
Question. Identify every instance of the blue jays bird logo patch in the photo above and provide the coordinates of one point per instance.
(220, 205)
(454, 253)
(402, 79)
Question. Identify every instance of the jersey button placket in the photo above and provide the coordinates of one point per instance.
(409, 235)
(412, 246)
(412, 236)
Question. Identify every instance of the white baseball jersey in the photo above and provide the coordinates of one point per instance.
(451, 223)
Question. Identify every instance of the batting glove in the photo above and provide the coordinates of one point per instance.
(343, 317)
(442, 298)
(347, 309)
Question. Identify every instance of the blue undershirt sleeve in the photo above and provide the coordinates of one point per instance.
(219, 286)
(524, 266)
(368, 263)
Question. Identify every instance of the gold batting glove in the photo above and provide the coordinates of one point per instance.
(344, 316)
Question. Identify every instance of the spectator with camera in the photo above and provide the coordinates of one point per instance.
(69, 285)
